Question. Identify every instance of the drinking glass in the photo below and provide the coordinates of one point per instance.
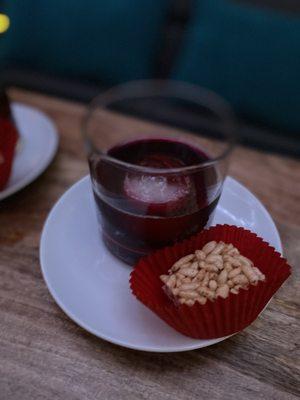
(158, 153)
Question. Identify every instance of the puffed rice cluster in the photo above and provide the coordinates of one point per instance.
(215, 270)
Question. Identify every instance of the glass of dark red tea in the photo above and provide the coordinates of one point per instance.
(158, 154)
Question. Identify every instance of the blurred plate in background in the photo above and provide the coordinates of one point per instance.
(36, 148)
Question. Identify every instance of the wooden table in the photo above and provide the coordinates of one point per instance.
(44, 355)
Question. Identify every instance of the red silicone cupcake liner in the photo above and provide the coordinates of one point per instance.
(223, 316)
(8, 141)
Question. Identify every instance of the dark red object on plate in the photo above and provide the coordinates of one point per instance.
(223, 316)
(8, 140)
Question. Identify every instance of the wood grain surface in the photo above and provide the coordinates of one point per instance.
(44, 355)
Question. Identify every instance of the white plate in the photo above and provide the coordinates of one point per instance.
(38, 145)
(91, 285)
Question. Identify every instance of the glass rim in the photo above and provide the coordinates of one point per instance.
(161, 88)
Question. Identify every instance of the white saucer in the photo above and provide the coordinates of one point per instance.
(91, 285)
(36, 149)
